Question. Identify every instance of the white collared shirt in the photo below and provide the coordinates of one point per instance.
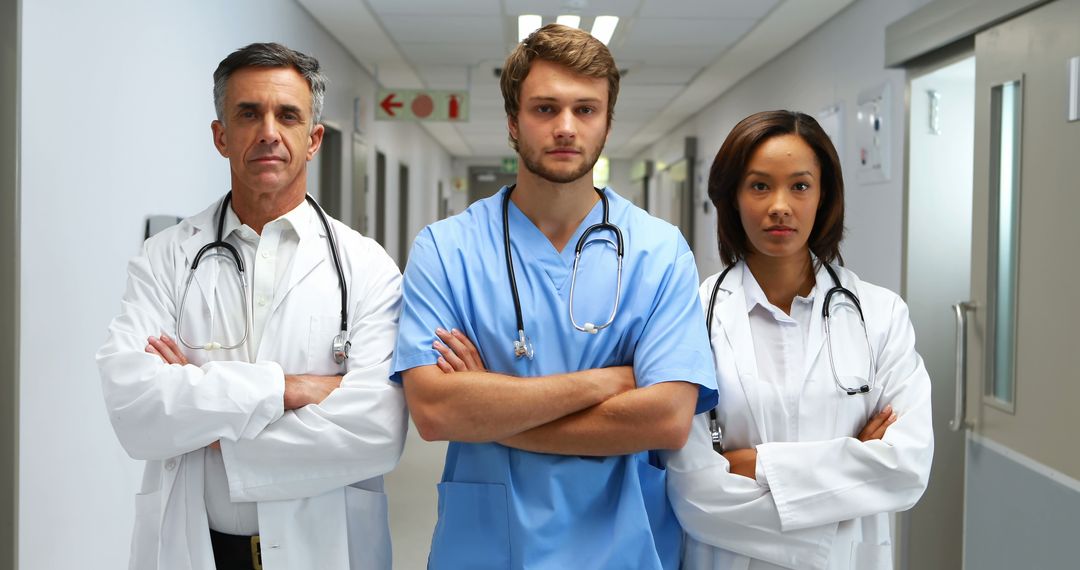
(267, 258)
(780, 350)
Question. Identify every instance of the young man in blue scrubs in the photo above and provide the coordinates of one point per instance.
(551, 461)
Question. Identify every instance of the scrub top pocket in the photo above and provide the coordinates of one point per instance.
(666, 531)
(474, 528)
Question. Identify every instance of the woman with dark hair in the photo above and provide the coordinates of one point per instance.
(824, 424)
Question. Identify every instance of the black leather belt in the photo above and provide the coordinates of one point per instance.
(232, 552)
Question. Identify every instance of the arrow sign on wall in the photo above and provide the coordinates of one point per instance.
(422, 105)
(388, 104)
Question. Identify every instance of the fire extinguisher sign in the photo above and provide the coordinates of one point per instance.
(422, 105)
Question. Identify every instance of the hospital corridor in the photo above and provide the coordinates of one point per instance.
(932, 147)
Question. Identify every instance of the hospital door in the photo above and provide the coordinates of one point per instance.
(1005, 490)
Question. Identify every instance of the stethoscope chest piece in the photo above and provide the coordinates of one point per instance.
(523, 346)
(341, 347)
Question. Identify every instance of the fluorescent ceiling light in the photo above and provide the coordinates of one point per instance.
(527, 24)
(569, 20)
(604, 27)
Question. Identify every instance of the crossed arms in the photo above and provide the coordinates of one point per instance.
(596, 412)
(300, 389)
(269, 432)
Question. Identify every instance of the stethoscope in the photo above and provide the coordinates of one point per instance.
(522, 345)
(714, 421)
(340, 345)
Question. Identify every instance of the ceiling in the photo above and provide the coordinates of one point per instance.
(677, 55)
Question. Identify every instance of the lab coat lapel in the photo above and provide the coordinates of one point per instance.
(206, 277)
(815, 338)
(735, 324)
(311, 251)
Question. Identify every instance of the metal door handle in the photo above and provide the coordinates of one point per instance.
(960, 310)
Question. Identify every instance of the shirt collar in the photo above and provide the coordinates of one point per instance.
(300, 219)
(755, 296)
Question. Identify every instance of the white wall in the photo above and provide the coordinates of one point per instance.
(619, 179)
(116, 107)
(409, 144)
(833, 64)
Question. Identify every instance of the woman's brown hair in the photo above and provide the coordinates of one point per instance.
(729, 170)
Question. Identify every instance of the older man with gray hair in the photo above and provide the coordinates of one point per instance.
(230, 368)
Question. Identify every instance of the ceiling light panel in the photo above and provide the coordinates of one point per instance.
(527, 24)
(604, 27)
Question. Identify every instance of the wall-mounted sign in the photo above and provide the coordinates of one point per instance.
(422, 105)
(509, 165)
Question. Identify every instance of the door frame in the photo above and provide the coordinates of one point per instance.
(10, 74)
(922, 66)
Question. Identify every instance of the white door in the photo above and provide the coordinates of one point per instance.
(941, 142)
(1022, 476)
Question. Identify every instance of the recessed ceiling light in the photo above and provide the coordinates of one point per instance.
(569, 20)
(527, 24)
(604, 27)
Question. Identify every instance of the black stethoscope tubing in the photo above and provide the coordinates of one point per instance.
(523, 346)
(837, 289)
(341, 345)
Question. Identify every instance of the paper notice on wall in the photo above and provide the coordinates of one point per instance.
(831, 119)
(873, 134)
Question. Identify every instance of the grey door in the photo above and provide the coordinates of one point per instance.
(1005, 488)
(405, 234)
(9, 283)
(485, 181)
(380, 198)
(359, 219)
(330, 172)
(1022, 474)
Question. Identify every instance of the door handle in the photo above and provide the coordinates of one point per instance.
(960, 310)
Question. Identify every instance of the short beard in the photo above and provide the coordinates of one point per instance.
(535, 166)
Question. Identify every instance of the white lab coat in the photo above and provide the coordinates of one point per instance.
(316, 472)
(828, 495)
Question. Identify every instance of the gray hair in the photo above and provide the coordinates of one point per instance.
(271, 55)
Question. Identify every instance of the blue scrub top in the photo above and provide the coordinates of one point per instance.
(501, 507)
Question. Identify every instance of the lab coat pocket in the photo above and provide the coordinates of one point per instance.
(869, 556)
(320, 349)
(473, 529)
(369, 529)
(144, 541)
(853, 411)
